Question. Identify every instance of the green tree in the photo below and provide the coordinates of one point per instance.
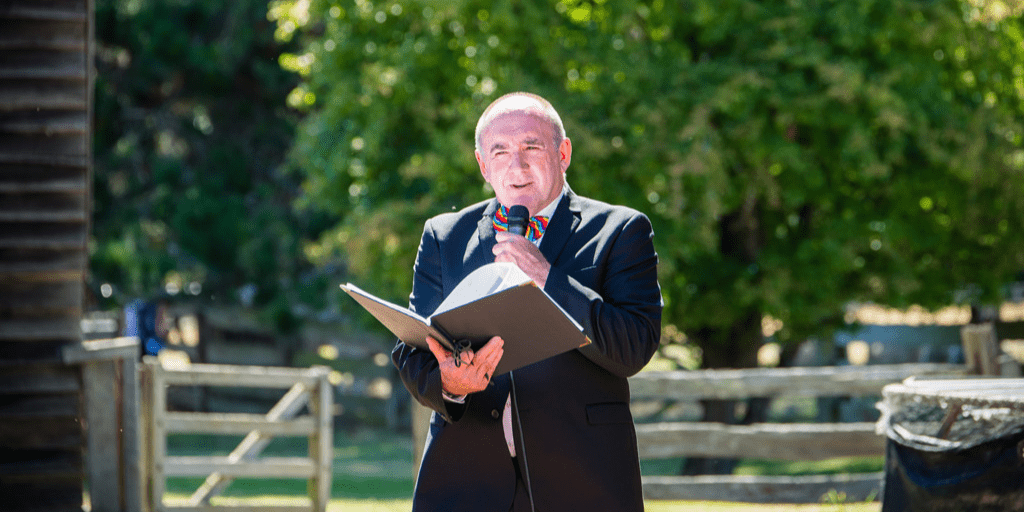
(793, 155)
(190, 130)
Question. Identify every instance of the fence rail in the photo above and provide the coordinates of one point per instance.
(306, 388)
(816, 441)
(759, 441)
(767, 382)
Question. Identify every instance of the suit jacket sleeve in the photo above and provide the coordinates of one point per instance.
(418, 368)
(623, 320)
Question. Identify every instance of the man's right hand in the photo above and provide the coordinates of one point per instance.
(476, 370)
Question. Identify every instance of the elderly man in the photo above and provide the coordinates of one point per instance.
(558, 434)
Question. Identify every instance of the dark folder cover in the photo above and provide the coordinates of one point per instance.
(533, 326)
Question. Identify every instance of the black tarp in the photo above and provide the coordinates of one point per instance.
(988, 477)
(954, 446)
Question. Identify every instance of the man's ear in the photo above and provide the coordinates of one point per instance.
(564, 153)
(480, 162)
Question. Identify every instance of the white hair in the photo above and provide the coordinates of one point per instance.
(525, 102)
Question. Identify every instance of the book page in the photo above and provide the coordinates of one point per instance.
(355, 290)
(486, 280)
(410, 327)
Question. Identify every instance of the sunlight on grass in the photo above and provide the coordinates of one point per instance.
(716, 506)
(370, 506)
(258, 500)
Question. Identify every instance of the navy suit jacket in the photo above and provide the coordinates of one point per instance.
(577, 432)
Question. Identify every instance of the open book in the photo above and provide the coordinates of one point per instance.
(497, 299)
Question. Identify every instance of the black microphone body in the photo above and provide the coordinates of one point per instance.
(518, 219)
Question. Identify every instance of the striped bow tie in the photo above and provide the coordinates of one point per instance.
(533, 231)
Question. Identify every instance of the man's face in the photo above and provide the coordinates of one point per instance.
(519, 158)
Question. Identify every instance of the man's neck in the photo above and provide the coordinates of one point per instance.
(549, 210)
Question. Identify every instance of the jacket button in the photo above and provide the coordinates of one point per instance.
(495, 414)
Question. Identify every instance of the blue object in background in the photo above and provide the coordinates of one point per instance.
(152, 346)
(141, 318)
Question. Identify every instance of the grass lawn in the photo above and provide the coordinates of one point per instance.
(368, 465)
(398, 505)
(373, 473)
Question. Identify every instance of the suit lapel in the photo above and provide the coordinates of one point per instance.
(483, 253)
(563, 223)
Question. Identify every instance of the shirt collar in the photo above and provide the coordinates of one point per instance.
(549, 210)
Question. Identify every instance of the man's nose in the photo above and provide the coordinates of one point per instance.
(519, 159)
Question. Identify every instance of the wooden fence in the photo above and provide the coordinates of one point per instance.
(306, 387)
(110, 390)
(766, 441)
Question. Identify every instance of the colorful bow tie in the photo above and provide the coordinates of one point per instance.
(533, 231)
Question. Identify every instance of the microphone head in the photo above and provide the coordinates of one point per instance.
(518, 219)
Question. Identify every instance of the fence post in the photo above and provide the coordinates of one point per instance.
(321, 443)
(145, 436)
(981, 348)
(110, 391)
(131, 439)
(100, 389)
(157, 435)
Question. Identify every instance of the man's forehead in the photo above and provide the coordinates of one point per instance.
(518, 124)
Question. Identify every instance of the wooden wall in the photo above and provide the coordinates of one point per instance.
(45, 91)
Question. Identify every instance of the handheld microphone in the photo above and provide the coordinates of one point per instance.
(518, 219)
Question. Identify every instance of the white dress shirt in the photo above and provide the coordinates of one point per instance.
(506, 415)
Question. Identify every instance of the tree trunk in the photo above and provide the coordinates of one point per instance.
(735, 346)
(735, 349)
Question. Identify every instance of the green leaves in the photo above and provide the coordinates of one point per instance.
(190, 128)
(793, 156)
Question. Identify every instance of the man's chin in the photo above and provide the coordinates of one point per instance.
(510, 200)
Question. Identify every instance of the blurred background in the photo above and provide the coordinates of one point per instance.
(830, 183)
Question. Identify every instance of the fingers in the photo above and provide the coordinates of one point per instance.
(521, 252)
(512, 243)
(443, 355)
(490, 354)
(476, 372)
(516, 249)
(439, 351)
(487, 359)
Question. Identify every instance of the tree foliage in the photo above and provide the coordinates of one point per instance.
(190, 130)
(793, 155)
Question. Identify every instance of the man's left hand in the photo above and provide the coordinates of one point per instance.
(517, 249)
